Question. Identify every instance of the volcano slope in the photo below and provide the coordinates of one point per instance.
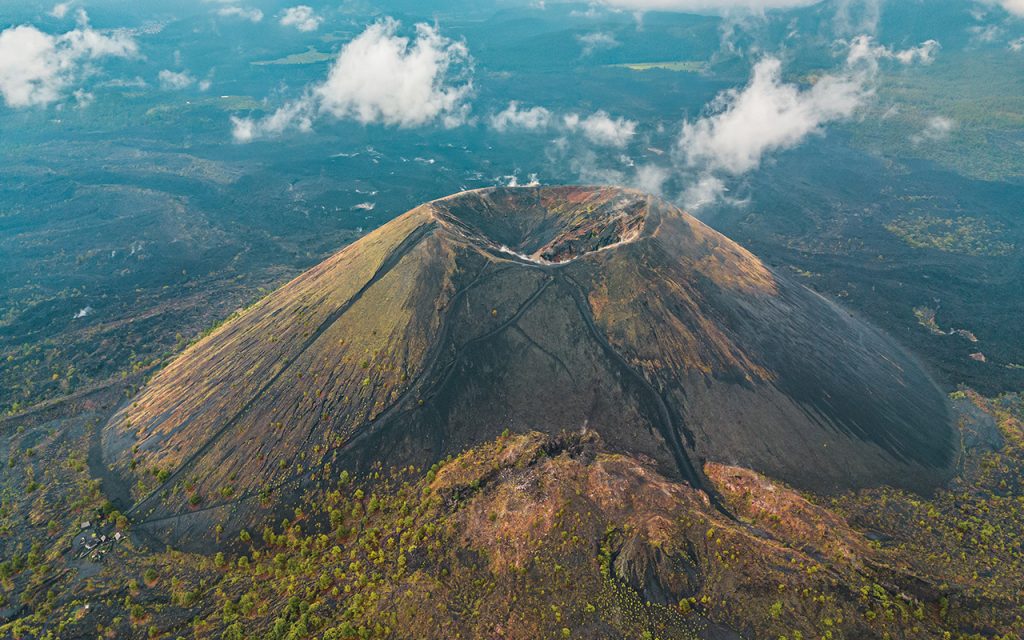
(529, 309)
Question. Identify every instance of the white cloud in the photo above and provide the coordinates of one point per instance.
(515, 118)
(766, 115)
(302, 18)
(650, 178)
(864, 50)
(175, 80)
(1014, 7)
(588, 165)
(36, 68)
(296, 115)
(381, 77)
(585, 145)
(252, 15)
(1017, 45)
(30, 67)
(513, 181)
(770, 115)
(125, 83)
(599, 128)
(591, 12)
(986, 34)
(936, 129)
(60, 10)
(706, 190)
(602, 129)
(923, 54)
(708, 6)
(83, 98)
(592, 42)
(857, 16)
(245, 130)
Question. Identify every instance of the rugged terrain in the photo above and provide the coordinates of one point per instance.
(527, 413)
(524, 309)
(534, 536)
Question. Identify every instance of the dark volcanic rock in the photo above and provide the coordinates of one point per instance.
(655, 574)
(528, 308)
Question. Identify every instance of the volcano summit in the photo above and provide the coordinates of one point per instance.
(549, 309)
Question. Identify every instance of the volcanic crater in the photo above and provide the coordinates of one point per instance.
(530, 309)
(541, 230)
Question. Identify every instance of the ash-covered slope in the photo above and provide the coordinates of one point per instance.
(528, 309)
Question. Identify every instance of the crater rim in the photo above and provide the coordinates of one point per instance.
(547, 225)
